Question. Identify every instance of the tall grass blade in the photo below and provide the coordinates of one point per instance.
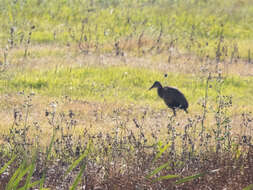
(155, 171)
(250, 187)
(166, 177)
(189, 178)
(7, 164)
(30, 185)
(47, 157)
(20, 176)
(30, 173)
(14, 176)
(76, 162)
(50, 146)
(78, 178)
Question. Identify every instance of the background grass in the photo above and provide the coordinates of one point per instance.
(104, 22)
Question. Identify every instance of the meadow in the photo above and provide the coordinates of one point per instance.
(76, 112)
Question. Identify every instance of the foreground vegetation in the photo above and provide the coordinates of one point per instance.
(75, 108)
(118, 147)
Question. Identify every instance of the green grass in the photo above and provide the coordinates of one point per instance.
(122, 84)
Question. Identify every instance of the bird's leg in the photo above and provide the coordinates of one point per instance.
(186, 110)
(174, 111)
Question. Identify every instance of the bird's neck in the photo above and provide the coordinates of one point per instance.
(160, 91)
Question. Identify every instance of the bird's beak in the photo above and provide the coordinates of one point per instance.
(151, 87)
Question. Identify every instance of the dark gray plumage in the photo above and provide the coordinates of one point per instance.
(172, 97)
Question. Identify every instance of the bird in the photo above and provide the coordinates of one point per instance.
(172, 97)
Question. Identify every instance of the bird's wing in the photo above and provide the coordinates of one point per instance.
(174, 97)
(169, 96)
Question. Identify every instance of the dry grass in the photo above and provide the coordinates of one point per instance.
(52, 56)
(102, 116)
(117, 160)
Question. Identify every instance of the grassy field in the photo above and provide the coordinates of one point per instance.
(190, 25)
(75, 108)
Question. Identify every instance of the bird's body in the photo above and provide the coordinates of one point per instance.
(172, 97)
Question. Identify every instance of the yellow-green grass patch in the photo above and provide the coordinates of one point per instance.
(122, 83)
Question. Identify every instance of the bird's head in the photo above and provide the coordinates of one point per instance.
(156, 85)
